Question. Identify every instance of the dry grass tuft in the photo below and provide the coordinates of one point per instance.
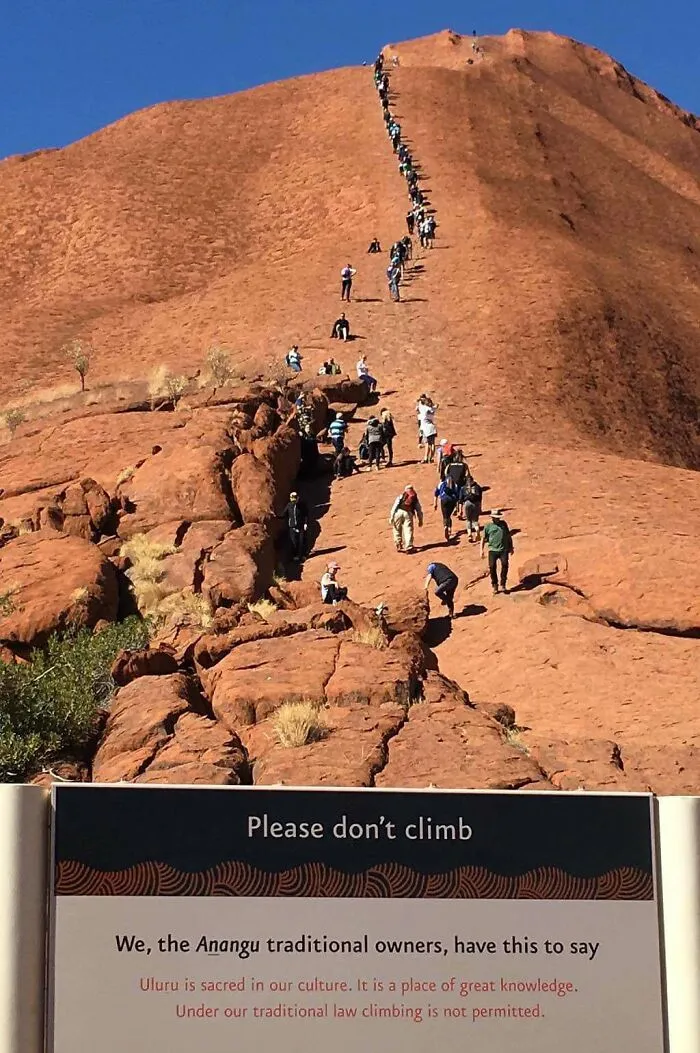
(372, 637)
(299, 723)
(147, 571)
(125, 475)
(265, 608)
(186, 608)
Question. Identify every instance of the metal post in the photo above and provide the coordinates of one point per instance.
(24, 842)
(679, 855)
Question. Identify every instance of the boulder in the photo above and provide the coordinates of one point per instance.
(240, 567)
(253, 486)
(56, 582)
(201, 751)
(281, 453)
(184, 569)
(447, 744)
(130, 665)
(368, 676)
(543, 567)
(353, 749)
(317, 615)
(293, 595)
(338, 388)
(141, 721)
(211, 648)
(256, 678)
(182, 482)
(408, 610)
(582, 763)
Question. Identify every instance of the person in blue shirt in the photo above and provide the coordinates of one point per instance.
(447, 493)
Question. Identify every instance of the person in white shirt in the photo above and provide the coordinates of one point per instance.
(346, 276)
(364, 374)
(331, 591)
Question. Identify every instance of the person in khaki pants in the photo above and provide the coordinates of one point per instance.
(404, 511)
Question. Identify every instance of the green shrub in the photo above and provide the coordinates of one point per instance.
(49, 705)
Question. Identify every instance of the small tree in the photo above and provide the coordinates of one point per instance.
(13, 418)
(219, 364)
(79, 354)
(175, 387)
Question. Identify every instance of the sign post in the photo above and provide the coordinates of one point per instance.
(346, 919)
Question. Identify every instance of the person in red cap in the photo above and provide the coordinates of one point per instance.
(405, 509)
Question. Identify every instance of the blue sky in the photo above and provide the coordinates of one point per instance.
(68, 67)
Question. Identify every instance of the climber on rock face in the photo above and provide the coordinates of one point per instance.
(470, 501)
(337, 430)
(447, 493)
(499, 539)
(297, 516)
(374, 246)
(346, 276)
(405, 509)
(446, 581)
(341, 328)
(375, 441)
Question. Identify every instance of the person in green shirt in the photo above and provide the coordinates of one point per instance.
(500, 546)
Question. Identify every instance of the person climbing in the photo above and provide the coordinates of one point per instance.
(331, 591)
(470, 503)
(293, 358)
(457, 470)
(374, 246)
(344, 464)
(341, 328)
(408, 246)
(428, 432)
(394, 277)
(297, 516)
(337, 430)
(309, 451)
(498, 537)
(364, 374)
(448, 495)
(445, 456)
(388, 433)
(346, 276)
(405, 509)
(446, 582)
(374, 438)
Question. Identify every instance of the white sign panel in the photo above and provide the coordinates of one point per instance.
(233, 918)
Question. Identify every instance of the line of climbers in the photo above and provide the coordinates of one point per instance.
(457, 492)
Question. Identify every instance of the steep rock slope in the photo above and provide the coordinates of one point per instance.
(556, 323)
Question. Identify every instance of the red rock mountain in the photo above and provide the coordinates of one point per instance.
(556, 323)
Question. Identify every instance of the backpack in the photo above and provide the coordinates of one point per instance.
(408, 501)
(363, 450)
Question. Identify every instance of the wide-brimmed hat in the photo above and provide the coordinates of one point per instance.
(334, 566)
(496, 513)
(293, 494)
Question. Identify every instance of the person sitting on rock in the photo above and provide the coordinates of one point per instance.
(341, 328)
(374, 246)
(364, 374)
(293, 358)
(335, 369)
(331, 591)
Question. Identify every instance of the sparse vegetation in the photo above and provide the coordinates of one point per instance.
(299, 723)
(219, 365)
(262, 607)
(49, 705)
(513, 736)
(126, 474)
(164, 384)
(7, 604)
(373, 636)
(13, 418)
(147, 571)
(79, 353)
(185, 608)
